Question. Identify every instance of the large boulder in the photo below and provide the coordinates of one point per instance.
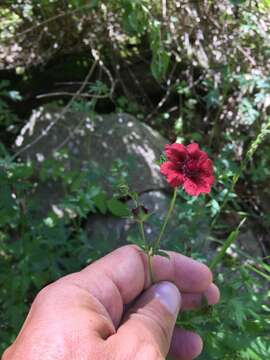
(97, 141)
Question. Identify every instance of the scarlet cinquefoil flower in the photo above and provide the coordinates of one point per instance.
(188, 166)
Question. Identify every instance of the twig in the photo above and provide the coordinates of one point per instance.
(71, 83)
(107, 71)
(112, 81)
(165, 97)
(66, 93)
(245, 53)
(71, 134)
(164, 9)
(58, 117)
(97, 58)
(140, 87)
(52, 19)
(261, 243)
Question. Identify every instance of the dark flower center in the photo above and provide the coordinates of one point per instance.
(189, 168)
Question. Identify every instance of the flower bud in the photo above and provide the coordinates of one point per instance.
(140, 213)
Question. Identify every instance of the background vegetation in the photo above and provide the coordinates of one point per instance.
(194, 71)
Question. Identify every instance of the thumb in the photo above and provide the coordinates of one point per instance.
(150, 322)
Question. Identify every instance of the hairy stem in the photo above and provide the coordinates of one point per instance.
(150, 268)
(157, 243)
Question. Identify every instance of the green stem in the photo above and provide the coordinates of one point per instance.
(157, 243)
(228, 242)
(148, 252)
(150, 268)
(142, 233)
(226, 198)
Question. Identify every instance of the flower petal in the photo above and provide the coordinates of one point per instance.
(191, 187)
(196, 187)
(167, 167)
(193, 149)
(206, 166)
(173, 176)
(210, 180)
(175, 152)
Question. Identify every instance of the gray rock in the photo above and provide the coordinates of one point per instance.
(110, 232)
(249, 243)
(98, 142)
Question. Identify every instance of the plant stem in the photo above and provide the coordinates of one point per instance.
(148, 251)
(149, 262)
(226, 198)
(157, 243)
(142, 233)
(229, 241)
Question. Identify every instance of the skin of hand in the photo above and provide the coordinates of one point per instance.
(109, 310)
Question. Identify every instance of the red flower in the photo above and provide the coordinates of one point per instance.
(188, 166)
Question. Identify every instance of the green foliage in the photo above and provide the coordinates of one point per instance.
(6, 115)
(117, 208)
(28, 232)
(195, 72)
(161, 58)
(242, 331)
(227, 243)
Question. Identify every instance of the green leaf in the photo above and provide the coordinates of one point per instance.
(160, 63)
(163, 253)
(15, 95)
(22, 171)
(100, 203)
(49, 222)
(4, 83)
(229, 241)
(215, 208)
(261, 273)
(117, 208)
(212, 99)
(237, 2)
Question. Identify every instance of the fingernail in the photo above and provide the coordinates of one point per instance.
(168, 294)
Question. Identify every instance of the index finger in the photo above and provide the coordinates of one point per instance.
(119, 277)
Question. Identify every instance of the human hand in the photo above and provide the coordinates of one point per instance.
(109, 311)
